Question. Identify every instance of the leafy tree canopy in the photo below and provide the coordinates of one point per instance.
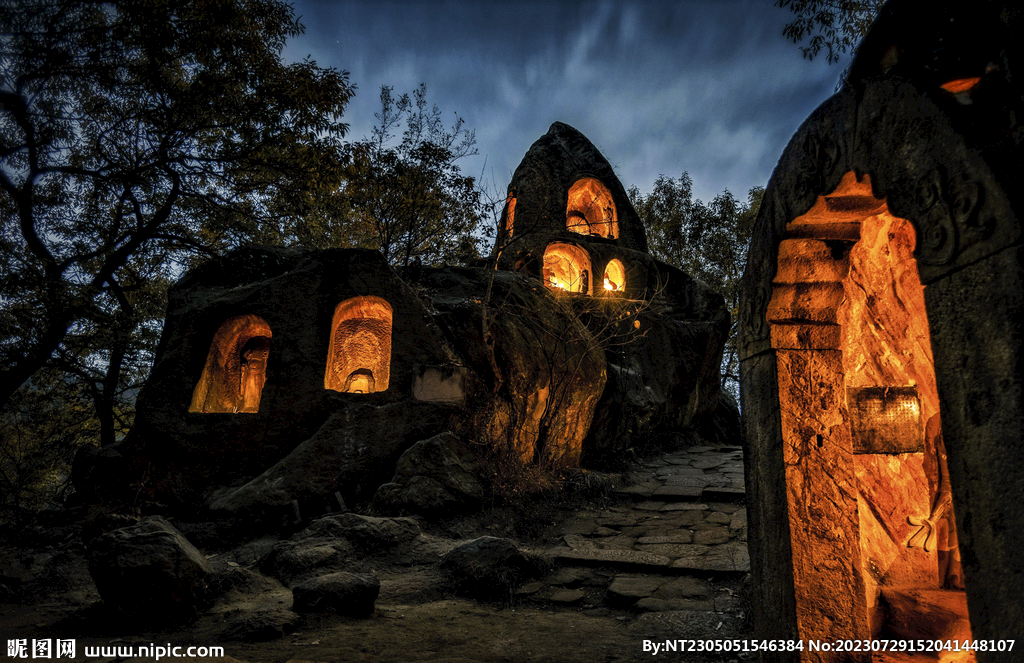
(408, 198)
(706, 240)
(834, 26)
(135, 136)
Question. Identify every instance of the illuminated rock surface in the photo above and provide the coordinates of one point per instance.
(290, 382)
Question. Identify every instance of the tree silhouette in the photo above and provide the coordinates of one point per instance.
(410, 200)
(706, 240)
(136, 136)
(833, 25)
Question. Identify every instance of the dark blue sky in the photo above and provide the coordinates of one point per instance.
(706, 86)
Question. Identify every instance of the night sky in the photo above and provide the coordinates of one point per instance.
(704, 86)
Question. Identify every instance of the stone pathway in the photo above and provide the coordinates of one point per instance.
(680, 532)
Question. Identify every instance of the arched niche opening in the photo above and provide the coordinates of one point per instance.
(873, 534)
(567, 267)
(591, 210)
(235, 369)
(359, 358)
(510, 216)
(614, 276)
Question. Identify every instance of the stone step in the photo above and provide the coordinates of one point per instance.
(665, 559)
(684, 493)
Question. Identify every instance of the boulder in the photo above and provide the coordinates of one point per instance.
(294, 561)
(438, 475)
(489, 568)
(365, 533)
(541, 183)
(662, 379)
(266, 317)
(342, 593)
(228, 582)
(150, 570)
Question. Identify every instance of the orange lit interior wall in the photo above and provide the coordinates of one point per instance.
(235, 369)
(885, 343)
(591, 210)
(847, 312)
(614, 276)
(510, 217)
(567, 267)
(359, 358)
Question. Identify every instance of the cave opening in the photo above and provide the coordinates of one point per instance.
(862, 437)
(614, 276)
(235, 370)
(359, 356)
(567, 267)
(591, 210)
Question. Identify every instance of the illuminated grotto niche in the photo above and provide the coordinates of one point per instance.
(567, 267)
(614, 276)
(359, 359)
(591, 210)
(873, 532)
(235, 369)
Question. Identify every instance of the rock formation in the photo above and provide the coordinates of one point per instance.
(882, 288)
(288, 383)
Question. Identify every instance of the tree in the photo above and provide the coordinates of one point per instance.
(833, 25)
(411, 201)
(708, 241)
(136, 136)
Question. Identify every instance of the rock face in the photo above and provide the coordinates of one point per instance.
(289, 383)
(150, 571)
(541, 368)
(348, 594)
(352, 454)
(248, 369)
(542, 184)
(569, 223)
(489, 568)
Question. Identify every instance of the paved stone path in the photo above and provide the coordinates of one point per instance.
(680, 532)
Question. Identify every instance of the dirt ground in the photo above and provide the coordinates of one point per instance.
(47, 593)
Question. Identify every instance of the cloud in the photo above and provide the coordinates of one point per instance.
(707, 86)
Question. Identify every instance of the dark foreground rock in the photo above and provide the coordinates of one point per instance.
(150, 571)
(434, 476)
(489, 568)
(292, 562)
(342, 593)
(365, 533)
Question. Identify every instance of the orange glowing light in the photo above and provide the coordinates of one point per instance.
(860, 420)
(614, 275)
(567, 267)
(235, 370)
(960, 84)
(591, 210)
(359, 358)
(510, 217)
